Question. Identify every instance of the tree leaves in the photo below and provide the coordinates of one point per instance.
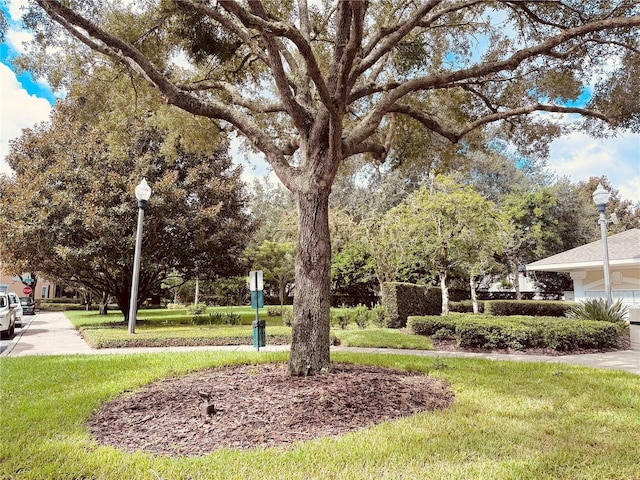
(75, 214)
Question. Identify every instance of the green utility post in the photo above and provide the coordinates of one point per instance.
(257, 301)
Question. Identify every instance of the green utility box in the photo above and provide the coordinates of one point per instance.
(259, 336)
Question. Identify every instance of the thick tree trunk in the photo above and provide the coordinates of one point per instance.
(445, 293)
(310, 333)
(474, 294)
(122, 300)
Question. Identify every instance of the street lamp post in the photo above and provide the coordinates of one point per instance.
(600, 198)
(143, 192)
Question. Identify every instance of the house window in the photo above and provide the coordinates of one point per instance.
(627, 297)
(4, 288)
(45, 291)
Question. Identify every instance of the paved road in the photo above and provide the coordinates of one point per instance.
(4, 344)
(50, 333)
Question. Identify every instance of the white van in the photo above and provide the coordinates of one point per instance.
(14, 299)
(7, 317)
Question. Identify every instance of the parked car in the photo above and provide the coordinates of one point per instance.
(7, 317)
(28, 305)
(15, 303)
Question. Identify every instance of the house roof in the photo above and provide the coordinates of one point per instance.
(624, 250)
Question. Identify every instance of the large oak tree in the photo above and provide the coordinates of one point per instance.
(70, 213)
(311, 85)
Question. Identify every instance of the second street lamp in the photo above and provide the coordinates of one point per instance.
(143, 192)
(600, 198)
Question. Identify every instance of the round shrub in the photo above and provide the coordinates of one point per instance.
(276, 311)
(198, 309)
(380, 315)
(287, 316)
(429, 325)
(340, 318)
(361, 316)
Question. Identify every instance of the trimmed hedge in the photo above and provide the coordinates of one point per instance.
(519, 333)
(136, 342)
(404, 299)
(586, 334)
(465, 306)
(429, 325)
(59, 300)
(534, 308)
(61, 307)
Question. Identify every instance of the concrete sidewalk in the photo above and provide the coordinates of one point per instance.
(48, 333)
(51, 333)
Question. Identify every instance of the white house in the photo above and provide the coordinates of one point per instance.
(585, 265)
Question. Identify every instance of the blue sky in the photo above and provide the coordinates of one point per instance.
(25, 101)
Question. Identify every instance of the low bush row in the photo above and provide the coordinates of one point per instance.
(465, 306)
(518, 333)
(143, 342)
(62, 307)
(216, 318)
(340, 317)
(535, 308)
(360, 315)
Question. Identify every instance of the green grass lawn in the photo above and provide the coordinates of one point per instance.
(510, 420)
(381, 338)
(181, 335)
(163, 316)
(161, 327)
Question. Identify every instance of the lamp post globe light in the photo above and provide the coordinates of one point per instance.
(143, 192)
(600, 198)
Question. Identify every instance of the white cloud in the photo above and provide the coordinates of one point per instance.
(16, 8)
(579, 157)
(18, 38)
(18, 110)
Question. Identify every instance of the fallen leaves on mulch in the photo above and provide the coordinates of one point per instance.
(261, 406)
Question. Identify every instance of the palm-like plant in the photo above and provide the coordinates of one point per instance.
(599, 310)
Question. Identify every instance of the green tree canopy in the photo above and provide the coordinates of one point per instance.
(71, 208)
(439, 223)
(313, 85)
(277, 261)
(529, 228)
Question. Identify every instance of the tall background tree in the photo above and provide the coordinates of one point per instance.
(440, 223)
(311, 86)
(73, 212)
(276, 260)
(528, 229)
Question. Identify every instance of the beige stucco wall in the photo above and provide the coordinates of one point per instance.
(625, 283)
(12, 285)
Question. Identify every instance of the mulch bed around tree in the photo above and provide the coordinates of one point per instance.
(261, 406)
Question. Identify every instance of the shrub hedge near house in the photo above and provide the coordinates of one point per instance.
(519, 332)
(584, 334)
(404, 299)
(534, 308)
